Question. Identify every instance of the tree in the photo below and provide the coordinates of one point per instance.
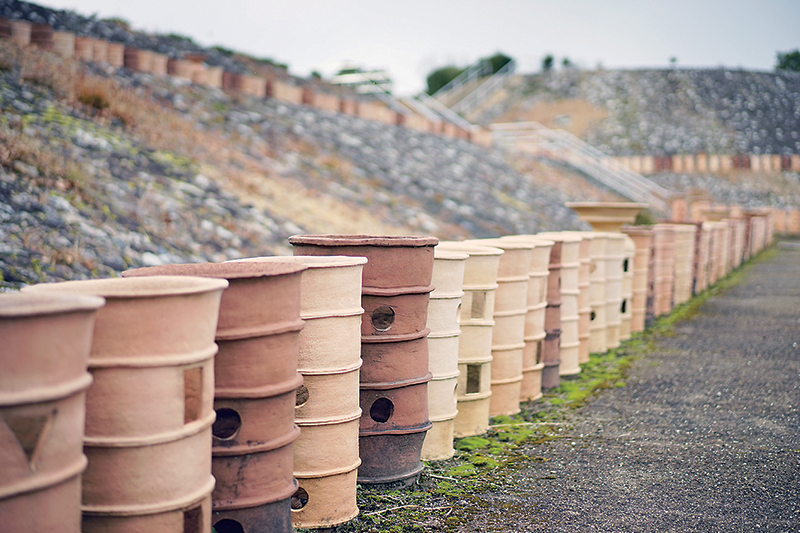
(547, 63)
(789, 61)
(566, 63)
(498, 61)
(441, 77)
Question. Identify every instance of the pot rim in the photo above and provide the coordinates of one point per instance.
(143, 287)
(231, 270)
(364, 240)
(508, 244)
(28, 304)
(309, 261)
(471, 249)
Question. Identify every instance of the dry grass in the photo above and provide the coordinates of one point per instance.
(573, 115)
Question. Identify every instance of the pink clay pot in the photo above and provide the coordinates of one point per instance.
(43, 383)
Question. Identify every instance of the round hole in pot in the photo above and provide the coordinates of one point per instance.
(227, 424)
(381, 410)
(302, 396)
(226, 525)
(299, 499)
(382, 318)
(592, 315)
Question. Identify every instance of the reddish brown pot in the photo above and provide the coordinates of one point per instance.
(552, 322)
(46, 343)
(396, 284)
(149, 411)
(258, 336)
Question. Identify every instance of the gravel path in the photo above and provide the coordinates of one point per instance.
(705, 436)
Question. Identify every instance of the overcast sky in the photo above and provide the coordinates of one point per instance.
(409, 38)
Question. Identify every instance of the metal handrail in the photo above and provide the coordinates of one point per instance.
(564, 146)
(486, 89)
(471, 73)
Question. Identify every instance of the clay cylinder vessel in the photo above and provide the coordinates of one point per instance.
(396, 285)
(551, 357)
(508, 333)
(584, 307)
(43, 382)
(327, 405)
(701, 254)
(663, 267)
(626, 311)
(532, 365)
(443, 312)
(615, 256)
(642, 237)
(475, 344)
(255, 376)
(569, 282)
(598, 339)
(684, 262)
(149, 410)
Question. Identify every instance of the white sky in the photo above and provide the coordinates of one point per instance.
(410, 38)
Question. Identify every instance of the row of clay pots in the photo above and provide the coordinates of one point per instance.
(149, 411)
(443, 341)
(473, 391)
(508, 331)
(255, 379)
(326, 405)
(534, 334)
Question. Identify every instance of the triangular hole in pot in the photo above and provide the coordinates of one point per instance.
(30, 432)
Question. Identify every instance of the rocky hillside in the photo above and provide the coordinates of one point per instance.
(657, 112)
(103, 171)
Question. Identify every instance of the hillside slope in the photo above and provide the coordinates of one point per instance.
(671, 111)
(103, 171)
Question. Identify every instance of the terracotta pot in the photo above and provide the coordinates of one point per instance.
(532, 365)
(685, 239)
(702, 258)
(149, 411)
(475, 344)
(327, 404)
(793, 221)
(626, 311)
(47, 339)
(551, 356)
(569, 340)
(255, 382)
(615, 256)
(598, 339)
(663, 267)
(642, 237)
(396, 284)
(508, 334)
(584, 307)
(606, 216)
(443, 314)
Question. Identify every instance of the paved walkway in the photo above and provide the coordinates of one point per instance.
(705, 436)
